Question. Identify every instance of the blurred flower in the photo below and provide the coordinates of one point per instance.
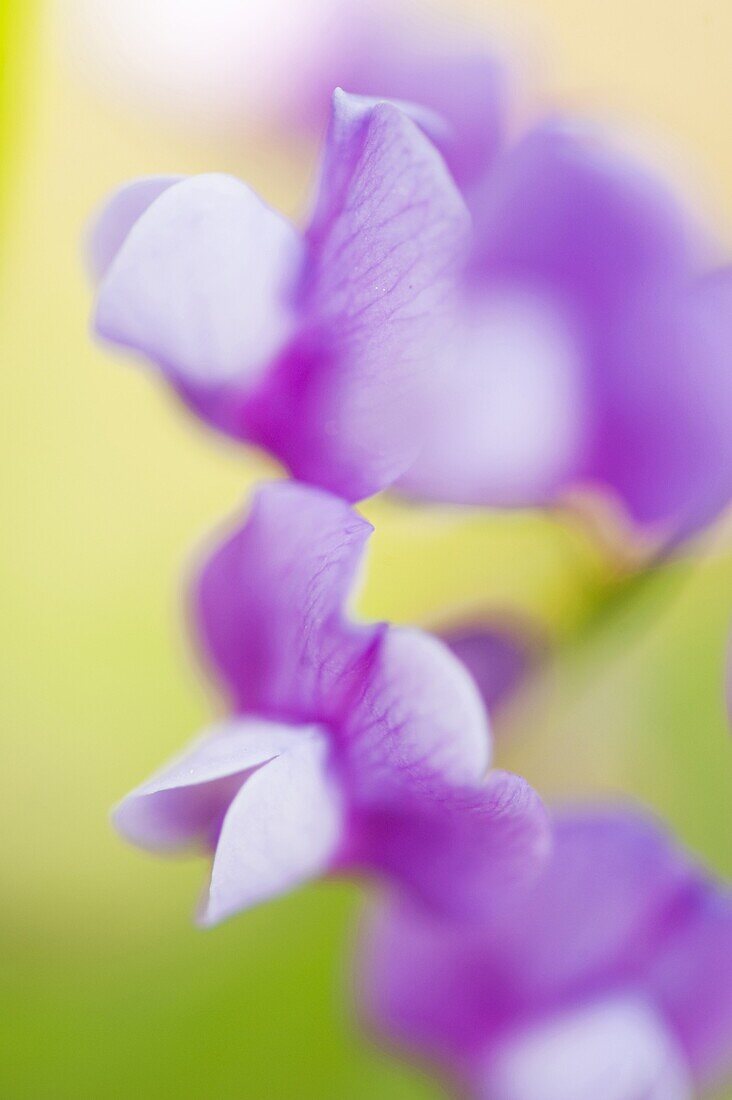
(352, 747)
(591, 349)
(611, 982)
(318, 348)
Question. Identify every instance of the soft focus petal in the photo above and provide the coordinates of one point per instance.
(595, 232)
(185, 801)
(614, 1050)
(664, 432)
(690, 980)
(509, 425)
(110, 228)
(416, 982)
(283, 828)
(345, 409)
(614, 879)
(203, 285)
(348, 113)
(466, 853)
(600, 919)
(567, 211)
(549, 386)
(419, 719)
(270, 603)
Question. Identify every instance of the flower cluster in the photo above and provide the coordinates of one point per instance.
(467, 320)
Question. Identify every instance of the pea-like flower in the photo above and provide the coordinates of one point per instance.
(317, 347)
(573, 339)
(351, 747)
(611, 980)
(592, 349)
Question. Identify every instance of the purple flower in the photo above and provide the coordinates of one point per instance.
(592, 349)
(315, 346)
(571, 340)
(612, 980)
(351, 747)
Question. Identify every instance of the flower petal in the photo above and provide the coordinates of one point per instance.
(617, 909)
(690, 980)
(664, 432)
(567, 211)
(185, 801)
(202, 285)
(270, 603)
(431, 60)
(465, 853)
(465, 88)
(598, 910)
(283, 827)
(419, 720)
(548, 385)
(348, 108)
(416, 981)
(121, 210)
(613, 1050)
(567, 215)
(389, 228)
(509, 425)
